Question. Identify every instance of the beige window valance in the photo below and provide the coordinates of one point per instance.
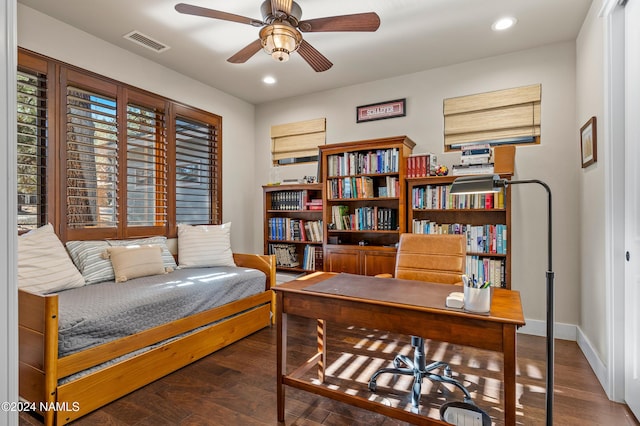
(297, 141)
(502, 116)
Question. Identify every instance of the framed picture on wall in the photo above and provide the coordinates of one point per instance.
(588, 143)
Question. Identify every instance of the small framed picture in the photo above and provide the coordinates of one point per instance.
(588, 143)
(381, 110)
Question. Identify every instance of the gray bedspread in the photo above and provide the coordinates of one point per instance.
(98, 313)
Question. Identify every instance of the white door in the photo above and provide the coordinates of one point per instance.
(632, 206)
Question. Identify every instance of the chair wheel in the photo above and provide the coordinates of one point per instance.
(447, 372)
(373, 386)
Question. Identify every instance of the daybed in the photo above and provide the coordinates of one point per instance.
(75, 386)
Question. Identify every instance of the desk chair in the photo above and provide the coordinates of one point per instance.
(432, 258)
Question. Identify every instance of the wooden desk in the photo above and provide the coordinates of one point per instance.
(412, 308)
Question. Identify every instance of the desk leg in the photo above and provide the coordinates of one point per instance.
(509, 348)
(322, 349)
(281, 351)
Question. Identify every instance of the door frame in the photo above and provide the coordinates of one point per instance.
(613, 14)
(8, 215)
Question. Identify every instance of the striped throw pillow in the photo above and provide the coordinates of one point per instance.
(87, 256)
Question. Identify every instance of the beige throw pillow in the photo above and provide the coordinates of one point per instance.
(135, 261)
(204, 245)
(43, 263)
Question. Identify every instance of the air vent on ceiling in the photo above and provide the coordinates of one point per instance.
(146, 41)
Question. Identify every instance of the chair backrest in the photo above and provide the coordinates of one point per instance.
(432, 258)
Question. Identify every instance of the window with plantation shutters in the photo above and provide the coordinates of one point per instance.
(146, 167)
(197, 171)
(91, 160)
(31, 149)
(100, 159)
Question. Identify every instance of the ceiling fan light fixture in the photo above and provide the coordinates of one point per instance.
(280, 40)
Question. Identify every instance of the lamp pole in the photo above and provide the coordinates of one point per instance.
(550, 296)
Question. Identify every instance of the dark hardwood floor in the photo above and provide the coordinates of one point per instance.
(236, 386)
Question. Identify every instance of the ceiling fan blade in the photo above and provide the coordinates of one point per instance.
(189, 9)
(369, 21)
(282, 6)
(247, 52)
(314, 58)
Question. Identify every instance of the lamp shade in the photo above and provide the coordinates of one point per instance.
(476, 184)
(280, 40)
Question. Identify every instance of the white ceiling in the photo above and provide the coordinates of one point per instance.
(414, 35)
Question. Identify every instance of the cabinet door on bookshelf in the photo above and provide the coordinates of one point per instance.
(342, 260)
(362, 261)
(378, 262)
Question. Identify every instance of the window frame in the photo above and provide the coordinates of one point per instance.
(58, 76)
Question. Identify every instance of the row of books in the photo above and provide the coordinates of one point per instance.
(365, 218)
(286, 255)
(287, 229)
(438, 197)
(363, 187)
(358, 163)
(351, 187)
(490, 239)
(421, 165)
(312, 259)
(486, 269)
(294, 200)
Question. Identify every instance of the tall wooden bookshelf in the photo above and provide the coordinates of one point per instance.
(484, 218)
(364, 203)
(293, 229)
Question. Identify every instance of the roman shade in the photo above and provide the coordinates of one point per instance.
(296, 142)
(502, 116)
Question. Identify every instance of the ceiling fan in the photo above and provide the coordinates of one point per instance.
(281, 26)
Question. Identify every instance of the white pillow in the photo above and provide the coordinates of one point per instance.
(87, 255)
(43, 263)
(204, 245)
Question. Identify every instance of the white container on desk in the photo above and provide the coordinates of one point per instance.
(477, 299)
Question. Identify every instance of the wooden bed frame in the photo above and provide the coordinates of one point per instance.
(40, 367)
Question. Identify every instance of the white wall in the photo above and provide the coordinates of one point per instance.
(42, 34)
(555, 160)
(590, 102)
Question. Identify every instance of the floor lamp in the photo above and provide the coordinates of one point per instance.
(493, 183)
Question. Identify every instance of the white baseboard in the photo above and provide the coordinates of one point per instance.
(573, 333)
(539, 328)
(598, 367)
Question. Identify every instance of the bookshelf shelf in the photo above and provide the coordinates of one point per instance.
(293, 228)
(365, 203)
(487, 227)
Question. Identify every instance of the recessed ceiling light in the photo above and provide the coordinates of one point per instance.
(269, 80)
(504, 23)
